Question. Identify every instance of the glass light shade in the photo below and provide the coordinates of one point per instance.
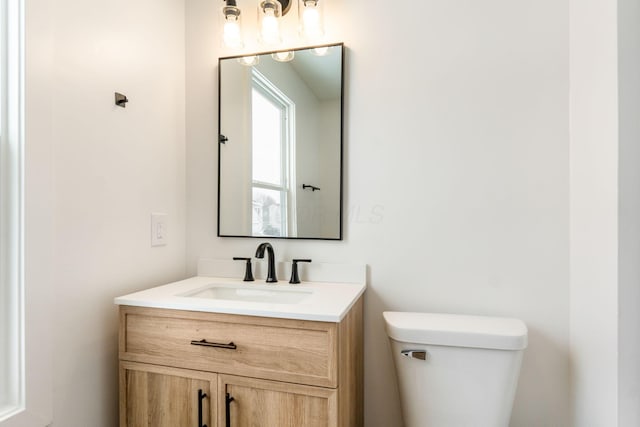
(232, 35)
(311, 19)
(283, 56)
(231, 26)
(268, 26)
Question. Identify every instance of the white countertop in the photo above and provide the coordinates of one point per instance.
(327, 302)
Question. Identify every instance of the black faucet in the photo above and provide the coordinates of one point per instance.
(295, 278)
(248, 274)
(271, 272)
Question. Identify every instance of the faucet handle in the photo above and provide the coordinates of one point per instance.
(294, 270)
(248, 274)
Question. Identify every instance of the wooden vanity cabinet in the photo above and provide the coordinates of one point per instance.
(255, 371)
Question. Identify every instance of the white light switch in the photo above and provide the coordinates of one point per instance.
(158, 229)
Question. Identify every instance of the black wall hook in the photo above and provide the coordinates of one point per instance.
(121, 100)
(312, 187)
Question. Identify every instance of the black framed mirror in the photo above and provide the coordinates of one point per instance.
(280, 147)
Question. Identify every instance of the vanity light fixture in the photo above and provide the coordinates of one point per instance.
(270, 12)
(283, 56)
(232, 30)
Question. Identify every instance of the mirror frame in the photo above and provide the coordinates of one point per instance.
(219, 141)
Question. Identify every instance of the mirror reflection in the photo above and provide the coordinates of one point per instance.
(280, 150)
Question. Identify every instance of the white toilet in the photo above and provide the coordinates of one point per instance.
(456, 370)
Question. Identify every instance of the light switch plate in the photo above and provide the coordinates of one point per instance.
(158, 229)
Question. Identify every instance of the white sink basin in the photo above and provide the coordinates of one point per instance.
(319, 301)
(251, 294)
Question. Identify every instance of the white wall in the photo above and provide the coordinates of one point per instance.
(605, 212)
(629, 212)
(110, 168)
(38, 215)
(456, 186)
(594, 213)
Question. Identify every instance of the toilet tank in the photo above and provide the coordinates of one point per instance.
(456, 370)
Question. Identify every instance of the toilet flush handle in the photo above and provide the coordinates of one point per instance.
(415, 354)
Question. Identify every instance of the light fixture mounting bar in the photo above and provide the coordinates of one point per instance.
(286, 5)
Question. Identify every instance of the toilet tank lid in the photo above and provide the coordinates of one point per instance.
(456, 330)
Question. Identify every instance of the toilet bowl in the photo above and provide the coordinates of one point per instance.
(456, 370)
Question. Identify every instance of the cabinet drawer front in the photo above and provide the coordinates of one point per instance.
(280, 349)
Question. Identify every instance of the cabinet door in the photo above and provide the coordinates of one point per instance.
(261, 403)
(158, 396)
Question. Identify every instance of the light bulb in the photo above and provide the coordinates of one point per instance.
(231, 32)
(270, 32)
(231, 25)
(310, 15)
